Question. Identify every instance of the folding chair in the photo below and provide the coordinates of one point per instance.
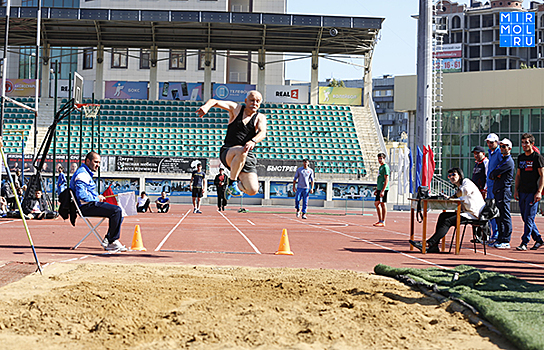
(478, 229)
(92, 229)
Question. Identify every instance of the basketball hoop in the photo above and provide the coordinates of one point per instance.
(90, 109)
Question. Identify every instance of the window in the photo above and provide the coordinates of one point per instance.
(119, 58)
(178, 59)
(201, 60)
(145, 56)
(88, 55)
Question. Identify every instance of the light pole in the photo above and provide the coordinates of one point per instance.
(55, 133)
(30, 64)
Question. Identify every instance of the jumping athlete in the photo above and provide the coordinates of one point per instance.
(246, 128)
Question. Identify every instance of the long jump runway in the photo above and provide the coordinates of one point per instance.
(229, 238)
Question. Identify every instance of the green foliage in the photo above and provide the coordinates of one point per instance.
(336, 83)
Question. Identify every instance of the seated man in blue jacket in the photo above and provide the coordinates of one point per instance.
(92, 204)
(502, 177)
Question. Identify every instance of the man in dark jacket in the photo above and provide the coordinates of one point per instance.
(220, 183)
(502, 177)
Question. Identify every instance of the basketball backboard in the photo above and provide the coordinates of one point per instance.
(77, 94)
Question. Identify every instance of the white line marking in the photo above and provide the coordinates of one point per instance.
(375, 244)
(6, 222)
(251, 223)
(514, 260)
(172, 230)
(240, 232)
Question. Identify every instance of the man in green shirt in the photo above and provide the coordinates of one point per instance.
(382, 190)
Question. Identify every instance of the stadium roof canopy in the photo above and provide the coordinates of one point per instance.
(237, 31)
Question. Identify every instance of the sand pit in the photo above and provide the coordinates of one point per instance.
(91, 306)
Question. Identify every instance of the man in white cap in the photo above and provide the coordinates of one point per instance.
(494, 155)
(503, 176)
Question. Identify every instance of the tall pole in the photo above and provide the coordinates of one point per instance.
(69, 125)
(37, 81)
(55, 136)
(4, 73)
(424, 76)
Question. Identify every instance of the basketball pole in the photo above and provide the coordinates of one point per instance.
(10, 179)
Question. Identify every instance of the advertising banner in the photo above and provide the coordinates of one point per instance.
(340, 96)
(287, 94)
(120, 185)
(517, 29)
(449, 65)
(15, 163)
(180, 91)
(278, 168)
(281, 189)
(232, 92)
(156, 164)
(358, 192)
(212, 190)
(20, 87)
(154, 187)
(126, 89)
(449, 51)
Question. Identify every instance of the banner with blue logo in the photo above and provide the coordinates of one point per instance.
(126, 90)
(180, 91)
(232, 92)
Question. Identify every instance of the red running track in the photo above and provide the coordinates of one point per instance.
(250, 239)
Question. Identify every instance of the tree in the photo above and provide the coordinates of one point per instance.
(336, 83)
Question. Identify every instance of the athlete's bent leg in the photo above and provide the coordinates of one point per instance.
(249, 183)
(236, 159)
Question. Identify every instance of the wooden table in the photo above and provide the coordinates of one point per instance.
(443, 204)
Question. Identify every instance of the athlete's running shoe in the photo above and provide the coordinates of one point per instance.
(232, 191)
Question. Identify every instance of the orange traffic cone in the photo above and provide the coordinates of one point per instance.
(284, 248)
(137, 243)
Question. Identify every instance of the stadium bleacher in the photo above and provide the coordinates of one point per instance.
(325, 134)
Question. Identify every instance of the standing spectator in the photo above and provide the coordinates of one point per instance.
(528, 190)
(303, 185)
(61, 180)
(479, 173)
(502, 178)
(143, 203)
(382, 190)
(163, 203)
(220, 183)
(198, 183)
(495, 156)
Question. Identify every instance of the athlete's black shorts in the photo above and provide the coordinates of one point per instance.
(381, 199)
(197, 192)
(251, 160)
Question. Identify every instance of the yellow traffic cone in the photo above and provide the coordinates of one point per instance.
(284, 248)
(137, 243)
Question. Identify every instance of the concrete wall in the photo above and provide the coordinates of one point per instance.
(520, 88)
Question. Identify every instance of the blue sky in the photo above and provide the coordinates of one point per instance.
(395, 52)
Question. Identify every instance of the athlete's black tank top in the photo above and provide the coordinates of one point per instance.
(239, 134)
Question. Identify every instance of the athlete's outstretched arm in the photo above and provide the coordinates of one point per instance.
(226, 105)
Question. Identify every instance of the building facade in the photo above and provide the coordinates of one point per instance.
(133, 64)
(394, 124)
(477, 28)
(508, 103)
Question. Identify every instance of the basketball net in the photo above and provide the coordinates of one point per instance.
(90, 110)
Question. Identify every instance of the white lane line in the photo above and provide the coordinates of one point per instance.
(171, 231)
(480, 251)
(241, 233)
(251, 223)
(6, 222)
(375, 244)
